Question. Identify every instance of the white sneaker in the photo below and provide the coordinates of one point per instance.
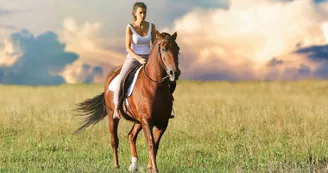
(116, 115)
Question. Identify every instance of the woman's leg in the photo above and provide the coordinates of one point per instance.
(129, 63)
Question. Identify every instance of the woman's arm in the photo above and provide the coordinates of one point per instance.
(158, 34)
(155, 34)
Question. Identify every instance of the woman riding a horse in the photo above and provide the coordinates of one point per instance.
(149, 106)
(139, 36)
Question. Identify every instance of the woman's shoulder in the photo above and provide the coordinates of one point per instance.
(152, 25)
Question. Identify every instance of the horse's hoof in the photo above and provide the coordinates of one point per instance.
(116, 166)
(151, 170)
(133, 168)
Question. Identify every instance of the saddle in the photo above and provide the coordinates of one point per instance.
(126, 83)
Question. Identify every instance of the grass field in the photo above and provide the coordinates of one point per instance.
(219, 127)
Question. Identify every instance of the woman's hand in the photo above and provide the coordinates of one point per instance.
(141, 59)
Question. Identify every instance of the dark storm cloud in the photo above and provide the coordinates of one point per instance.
(316, 53)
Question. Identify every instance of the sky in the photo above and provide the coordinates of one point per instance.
(79, 41)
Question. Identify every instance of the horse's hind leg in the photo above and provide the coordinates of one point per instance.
(113, 124)
(133, 134)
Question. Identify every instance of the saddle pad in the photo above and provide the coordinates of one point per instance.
(112, 86)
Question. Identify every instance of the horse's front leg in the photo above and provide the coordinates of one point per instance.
(158, 133)
(132, 140)
(147, 127)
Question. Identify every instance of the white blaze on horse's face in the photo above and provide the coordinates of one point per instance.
(169, 51)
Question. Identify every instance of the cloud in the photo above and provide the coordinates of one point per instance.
(244, 38)
(77, 54)
(319, 55)
(83, 73)
(236, 40)
(9, 53)
(320, 1)
(87, 41)
(113, 14)
(324, 28)
(315, 53)
(31, 60)
(94, 51)
(96, 38)
(275, 62)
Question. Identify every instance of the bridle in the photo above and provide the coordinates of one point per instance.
(159, 54)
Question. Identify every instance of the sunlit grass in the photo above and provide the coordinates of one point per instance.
(219, 127)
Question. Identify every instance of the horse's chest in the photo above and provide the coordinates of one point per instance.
(162, 103)
(158, 102)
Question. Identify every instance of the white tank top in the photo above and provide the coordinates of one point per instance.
(141, 45)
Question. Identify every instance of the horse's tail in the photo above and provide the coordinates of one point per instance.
(95, 108)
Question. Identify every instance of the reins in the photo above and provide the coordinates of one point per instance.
(159, 54)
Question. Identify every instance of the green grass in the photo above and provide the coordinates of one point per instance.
(219, 127)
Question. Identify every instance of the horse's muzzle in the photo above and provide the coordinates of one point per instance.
(173, 75)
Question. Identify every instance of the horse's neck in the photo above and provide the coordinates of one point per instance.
(153, 67)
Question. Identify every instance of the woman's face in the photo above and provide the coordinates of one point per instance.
(140, 14)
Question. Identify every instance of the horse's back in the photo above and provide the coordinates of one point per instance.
(111, 75)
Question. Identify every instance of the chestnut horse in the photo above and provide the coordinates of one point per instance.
(149, 106)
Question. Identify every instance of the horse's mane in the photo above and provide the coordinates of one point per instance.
(161, 36)
(165, 36)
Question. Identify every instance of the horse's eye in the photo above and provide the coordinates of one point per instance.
(163, 49)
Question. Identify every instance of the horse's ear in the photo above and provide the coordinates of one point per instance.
(174, 36)
(159, 35)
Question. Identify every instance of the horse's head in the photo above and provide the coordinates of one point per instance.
(168, 51)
